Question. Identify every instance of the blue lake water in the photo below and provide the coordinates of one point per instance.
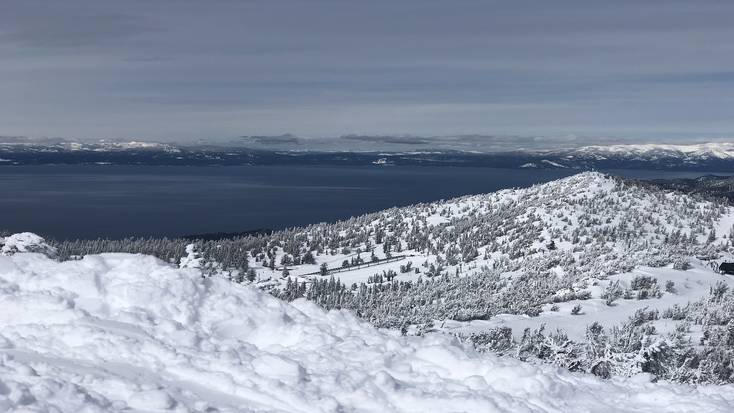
(90, 201)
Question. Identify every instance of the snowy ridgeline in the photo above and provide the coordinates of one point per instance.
(585, 226)
(565, 254)
(120, 332)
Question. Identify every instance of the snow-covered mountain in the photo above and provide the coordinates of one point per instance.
(719, 150)
(712, 156)
(650, 156)
(120, 332)
(588, 218)
(624, 270)
(566, 254)
(699, 157)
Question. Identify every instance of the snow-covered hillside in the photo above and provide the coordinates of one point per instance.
(577, 229)
(564, 255)
(25, 242)
(586, 249)
(119, 332)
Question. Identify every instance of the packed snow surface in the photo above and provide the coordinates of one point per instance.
(119, 332)
(24, 242)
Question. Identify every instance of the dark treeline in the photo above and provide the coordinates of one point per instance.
(227, 254)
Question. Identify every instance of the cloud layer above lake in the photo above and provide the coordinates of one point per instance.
(171, 70)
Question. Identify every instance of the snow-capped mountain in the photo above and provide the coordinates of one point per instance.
(701, 157)
(656, 156)
(627, 222)
(720, 150)
(641, 156)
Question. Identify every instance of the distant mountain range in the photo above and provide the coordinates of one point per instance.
(695, 157)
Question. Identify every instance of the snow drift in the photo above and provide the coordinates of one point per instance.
(25, 242)
(115, 331)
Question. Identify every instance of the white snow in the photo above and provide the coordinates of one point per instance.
(690, 286)
(192, 258)
(115, 332)
(722, 150)
(553, 207)
(24, 242)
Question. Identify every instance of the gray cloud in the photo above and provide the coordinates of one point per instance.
(389, 140)
(473, 143)
(287, 139)
(45, 25)
(378, 70)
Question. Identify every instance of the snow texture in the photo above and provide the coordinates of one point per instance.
(720, 150)
(25, 242)
(115, 332)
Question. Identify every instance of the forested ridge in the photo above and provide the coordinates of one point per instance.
(517, 251)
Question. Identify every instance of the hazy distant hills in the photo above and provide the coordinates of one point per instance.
(699, 157)
(708, 185)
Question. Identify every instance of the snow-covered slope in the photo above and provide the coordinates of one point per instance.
(515, 251)
(689, 286)
(25, 242)
(597, 224)
(545, 255)
(118, 332)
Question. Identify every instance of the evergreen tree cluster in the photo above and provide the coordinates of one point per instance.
(508, 252)
(220, 255)
(636, 346)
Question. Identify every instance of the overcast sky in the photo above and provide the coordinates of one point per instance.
(178, 70)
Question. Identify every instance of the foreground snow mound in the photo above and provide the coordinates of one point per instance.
(113, 332)
(25, 242)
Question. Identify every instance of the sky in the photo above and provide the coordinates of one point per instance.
(580, 71)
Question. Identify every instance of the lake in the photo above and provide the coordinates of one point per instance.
(90, 201)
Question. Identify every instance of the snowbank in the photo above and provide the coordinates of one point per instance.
(25, 242)
(116, 331)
